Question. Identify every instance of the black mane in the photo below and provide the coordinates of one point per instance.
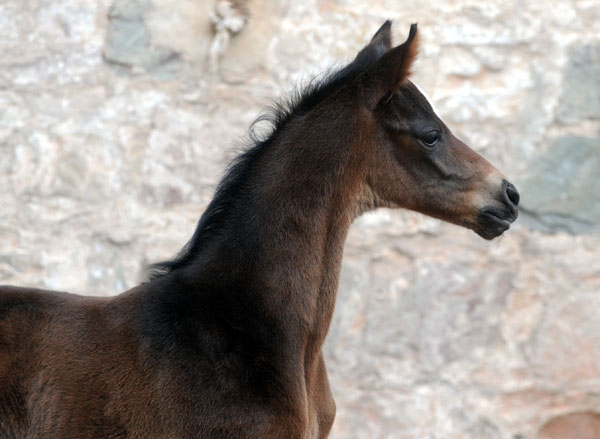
(231, 186)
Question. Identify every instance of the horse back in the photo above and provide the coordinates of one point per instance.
(133, 366)
(23, 315)
(42, 336)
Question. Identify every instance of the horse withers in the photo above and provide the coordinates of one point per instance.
(225, 340)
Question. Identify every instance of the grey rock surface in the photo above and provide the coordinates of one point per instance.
(581, 91)
(562, 190)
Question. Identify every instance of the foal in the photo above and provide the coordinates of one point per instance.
(225, 340)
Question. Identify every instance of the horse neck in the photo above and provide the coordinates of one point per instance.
(282, 247)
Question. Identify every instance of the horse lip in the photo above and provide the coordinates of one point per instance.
(499, 220)
(503, 216)
(493, 222)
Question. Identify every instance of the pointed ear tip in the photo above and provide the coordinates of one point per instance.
(413, 30)
(385, 28)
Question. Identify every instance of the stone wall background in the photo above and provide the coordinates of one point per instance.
(116, 122)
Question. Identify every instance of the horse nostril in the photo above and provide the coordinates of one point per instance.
(512, 194)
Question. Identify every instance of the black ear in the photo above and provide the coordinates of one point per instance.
(377, 47)
(383, 36)
(392, 68)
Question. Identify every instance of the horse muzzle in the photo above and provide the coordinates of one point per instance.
(493, 221)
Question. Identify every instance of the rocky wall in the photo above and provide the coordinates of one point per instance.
(116, 121)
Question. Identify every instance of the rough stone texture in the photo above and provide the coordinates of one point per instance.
(116, 123)
(128, 40)
(562, 190)
(581, 93)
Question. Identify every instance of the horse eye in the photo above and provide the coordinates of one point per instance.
(430, 138)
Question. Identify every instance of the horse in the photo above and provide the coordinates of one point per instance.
(225, 340)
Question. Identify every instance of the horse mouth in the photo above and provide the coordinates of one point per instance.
(493, 222)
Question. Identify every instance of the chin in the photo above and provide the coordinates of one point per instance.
(492, 222)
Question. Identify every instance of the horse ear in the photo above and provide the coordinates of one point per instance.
(382, 40)
(392, 69)
(377, 47)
